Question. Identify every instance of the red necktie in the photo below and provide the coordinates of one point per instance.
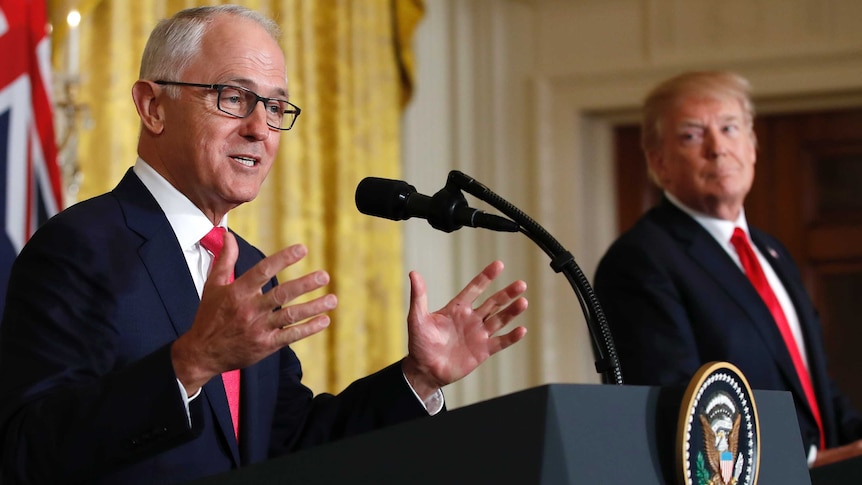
(758, 279)
(213, 242)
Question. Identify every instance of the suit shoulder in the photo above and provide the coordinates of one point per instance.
(648, 232)
(763, 237)
(247, 247)
(86, 217)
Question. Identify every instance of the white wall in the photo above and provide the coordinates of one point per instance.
(522, 95)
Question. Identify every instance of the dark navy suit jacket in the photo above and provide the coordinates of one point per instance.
(87, 389)
(675, 300)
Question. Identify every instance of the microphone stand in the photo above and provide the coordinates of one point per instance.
(562, 261)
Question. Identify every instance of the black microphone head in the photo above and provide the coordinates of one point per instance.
(386, 198)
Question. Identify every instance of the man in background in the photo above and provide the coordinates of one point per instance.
(686, 286)
(143, 342)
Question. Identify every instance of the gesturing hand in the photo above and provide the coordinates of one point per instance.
(235, 325)
(448, 344)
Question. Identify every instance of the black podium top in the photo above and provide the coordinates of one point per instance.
(552, 434)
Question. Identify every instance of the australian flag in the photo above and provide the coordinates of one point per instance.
(30, 189)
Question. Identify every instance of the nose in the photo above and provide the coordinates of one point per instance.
(254, 125)
(714, 144)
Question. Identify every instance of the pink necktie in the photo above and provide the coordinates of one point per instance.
(213, 242)
(758, 279)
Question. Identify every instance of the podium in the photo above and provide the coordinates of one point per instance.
(551, 434)
(842, 473)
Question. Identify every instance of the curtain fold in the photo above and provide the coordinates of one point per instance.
(349, 67)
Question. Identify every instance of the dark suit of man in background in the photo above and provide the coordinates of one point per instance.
(673, 287)
(122, 327)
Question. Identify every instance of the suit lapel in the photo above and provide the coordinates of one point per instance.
(709, 255)
(250, 417)
(798, 296)
(163, 259)
(160, 252)
(217, 398)
(254, 416)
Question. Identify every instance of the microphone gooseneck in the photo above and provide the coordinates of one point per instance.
(562, 261)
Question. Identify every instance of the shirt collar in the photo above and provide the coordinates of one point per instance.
(187, 221)
(720, 229)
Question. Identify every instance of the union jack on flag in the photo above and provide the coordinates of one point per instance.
(30, 189)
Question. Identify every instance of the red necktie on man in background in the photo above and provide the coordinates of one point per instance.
(213, 242)
(758, 279)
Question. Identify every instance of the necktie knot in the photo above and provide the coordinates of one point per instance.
(739, 238)
(214, 240)
(747, 258)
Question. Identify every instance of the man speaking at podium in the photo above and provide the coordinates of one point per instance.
(144, 343)
(692, 282)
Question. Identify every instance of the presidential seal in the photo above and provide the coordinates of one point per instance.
(718, 440)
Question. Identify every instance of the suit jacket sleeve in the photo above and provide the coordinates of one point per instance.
(71, 401)
(378, 400)
(649, 319)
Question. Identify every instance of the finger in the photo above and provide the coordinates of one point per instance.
(290, 290)
(223, 266)
(501, 342)
(294, 314)
(418, 297)
(480, 282)
(500, 299)
(288, 335)
(502, 318)
(265, 269)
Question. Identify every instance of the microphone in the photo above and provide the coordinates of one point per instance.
(447, 210)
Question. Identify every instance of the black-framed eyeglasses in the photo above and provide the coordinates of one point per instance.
(240, 102)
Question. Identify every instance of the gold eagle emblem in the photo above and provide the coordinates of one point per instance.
(721, 424)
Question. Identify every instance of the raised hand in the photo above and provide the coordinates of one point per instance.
(235, 325)
(448, 344)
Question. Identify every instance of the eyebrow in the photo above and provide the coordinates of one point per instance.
(248, 83)
(727, 118)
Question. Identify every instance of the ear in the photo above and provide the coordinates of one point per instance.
(753, 146)
(150, 110)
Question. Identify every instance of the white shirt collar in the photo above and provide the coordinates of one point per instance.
(720, 229)
(188, 222)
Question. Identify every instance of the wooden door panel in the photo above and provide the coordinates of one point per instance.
(635, 193)
(838, 291)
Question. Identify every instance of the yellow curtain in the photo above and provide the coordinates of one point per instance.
(349, 68)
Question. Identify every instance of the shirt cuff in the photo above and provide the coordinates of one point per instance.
(434, 403)
(812, 455)
(187, 399)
